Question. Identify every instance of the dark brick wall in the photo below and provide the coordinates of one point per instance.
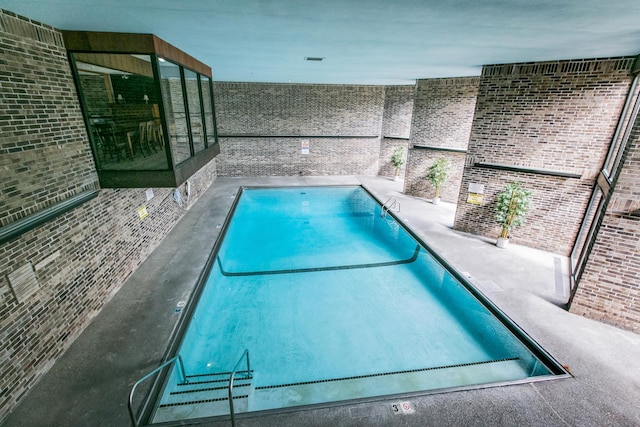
(442, 117)
(443, 112)
(396, 126)
(556, 116)
(398, 110)
(45, 158)
(96, 95)
(610, 286)
(269, 112)
(81, 258)
(249, 156)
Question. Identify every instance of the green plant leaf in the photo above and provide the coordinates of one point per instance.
(397, 158)
(438, 172)
(512, 205)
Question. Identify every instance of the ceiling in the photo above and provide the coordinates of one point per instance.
(381, 42)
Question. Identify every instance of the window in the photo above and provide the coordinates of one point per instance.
(121, 106)
(150, 119)
(207, 103)
(175, 112)
(192, 85)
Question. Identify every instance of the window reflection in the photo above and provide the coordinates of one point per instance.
(175, 113)
(195, 112)
(208, 110)
(128, 111)
(122, 110)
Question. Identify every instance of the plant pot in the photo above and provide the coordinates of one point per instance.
(435, 200)
(395, 177)
(502, 242)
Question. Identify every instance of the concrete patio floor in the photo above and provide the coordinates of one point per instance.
(89, 385)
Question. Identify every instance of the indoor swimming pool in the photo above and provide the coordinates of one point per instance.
(327, 297)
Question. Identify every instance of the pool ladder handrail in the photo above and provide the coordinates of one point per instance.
(178, 358)
(390, 204)
(231, 377)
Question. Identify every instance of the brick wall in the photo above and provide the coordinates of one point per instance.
(610, 286)
(557, 116)
(96, 95)
(268, 114)
(396, 126)
(443, 112)
(82, 257)
(45, 158)
(283, 156)
(442, 118)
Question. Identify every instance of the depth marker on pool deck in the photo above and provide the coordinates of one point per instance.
(402, 408)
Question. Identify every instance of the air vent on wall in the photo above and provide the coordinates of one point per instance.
(313, 58)
(24, 282)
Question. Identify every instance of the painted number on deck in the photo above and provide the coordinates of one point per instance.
(402, 408)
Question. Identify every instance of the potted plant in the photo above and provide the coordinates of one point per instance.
(438, 174)
(397, 160)
(512, 205)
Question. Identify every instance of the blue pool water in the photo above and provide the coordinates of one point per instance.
(333, 302)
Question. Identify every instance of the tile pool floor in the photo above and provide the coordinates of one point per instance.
(89, 384)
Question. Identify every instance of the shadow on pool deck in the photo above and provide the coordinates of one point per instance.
(89, 385)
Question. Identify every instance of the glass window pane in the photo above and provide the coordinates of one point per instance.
(208, 110)
(195, 113)
(173, 101)
(585, 239)
(121, 100)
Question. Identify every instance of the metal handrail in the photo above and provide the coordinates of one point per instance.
(233, 373)
(178, 358)
(385, 208)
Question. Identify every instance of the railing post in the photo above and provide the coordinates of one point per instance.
(183, 374)
(231, 377)
(386, 206)
(134, 419)
(231, 410)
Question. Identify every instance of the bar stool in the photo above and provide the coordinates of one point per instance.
(143, 138)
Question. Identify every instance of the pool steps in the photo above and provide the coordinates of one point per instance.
(205, 398)
(204, 395)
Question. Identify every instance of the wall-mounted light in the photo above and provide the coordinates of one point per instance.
(145, 98)
(120, 98)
